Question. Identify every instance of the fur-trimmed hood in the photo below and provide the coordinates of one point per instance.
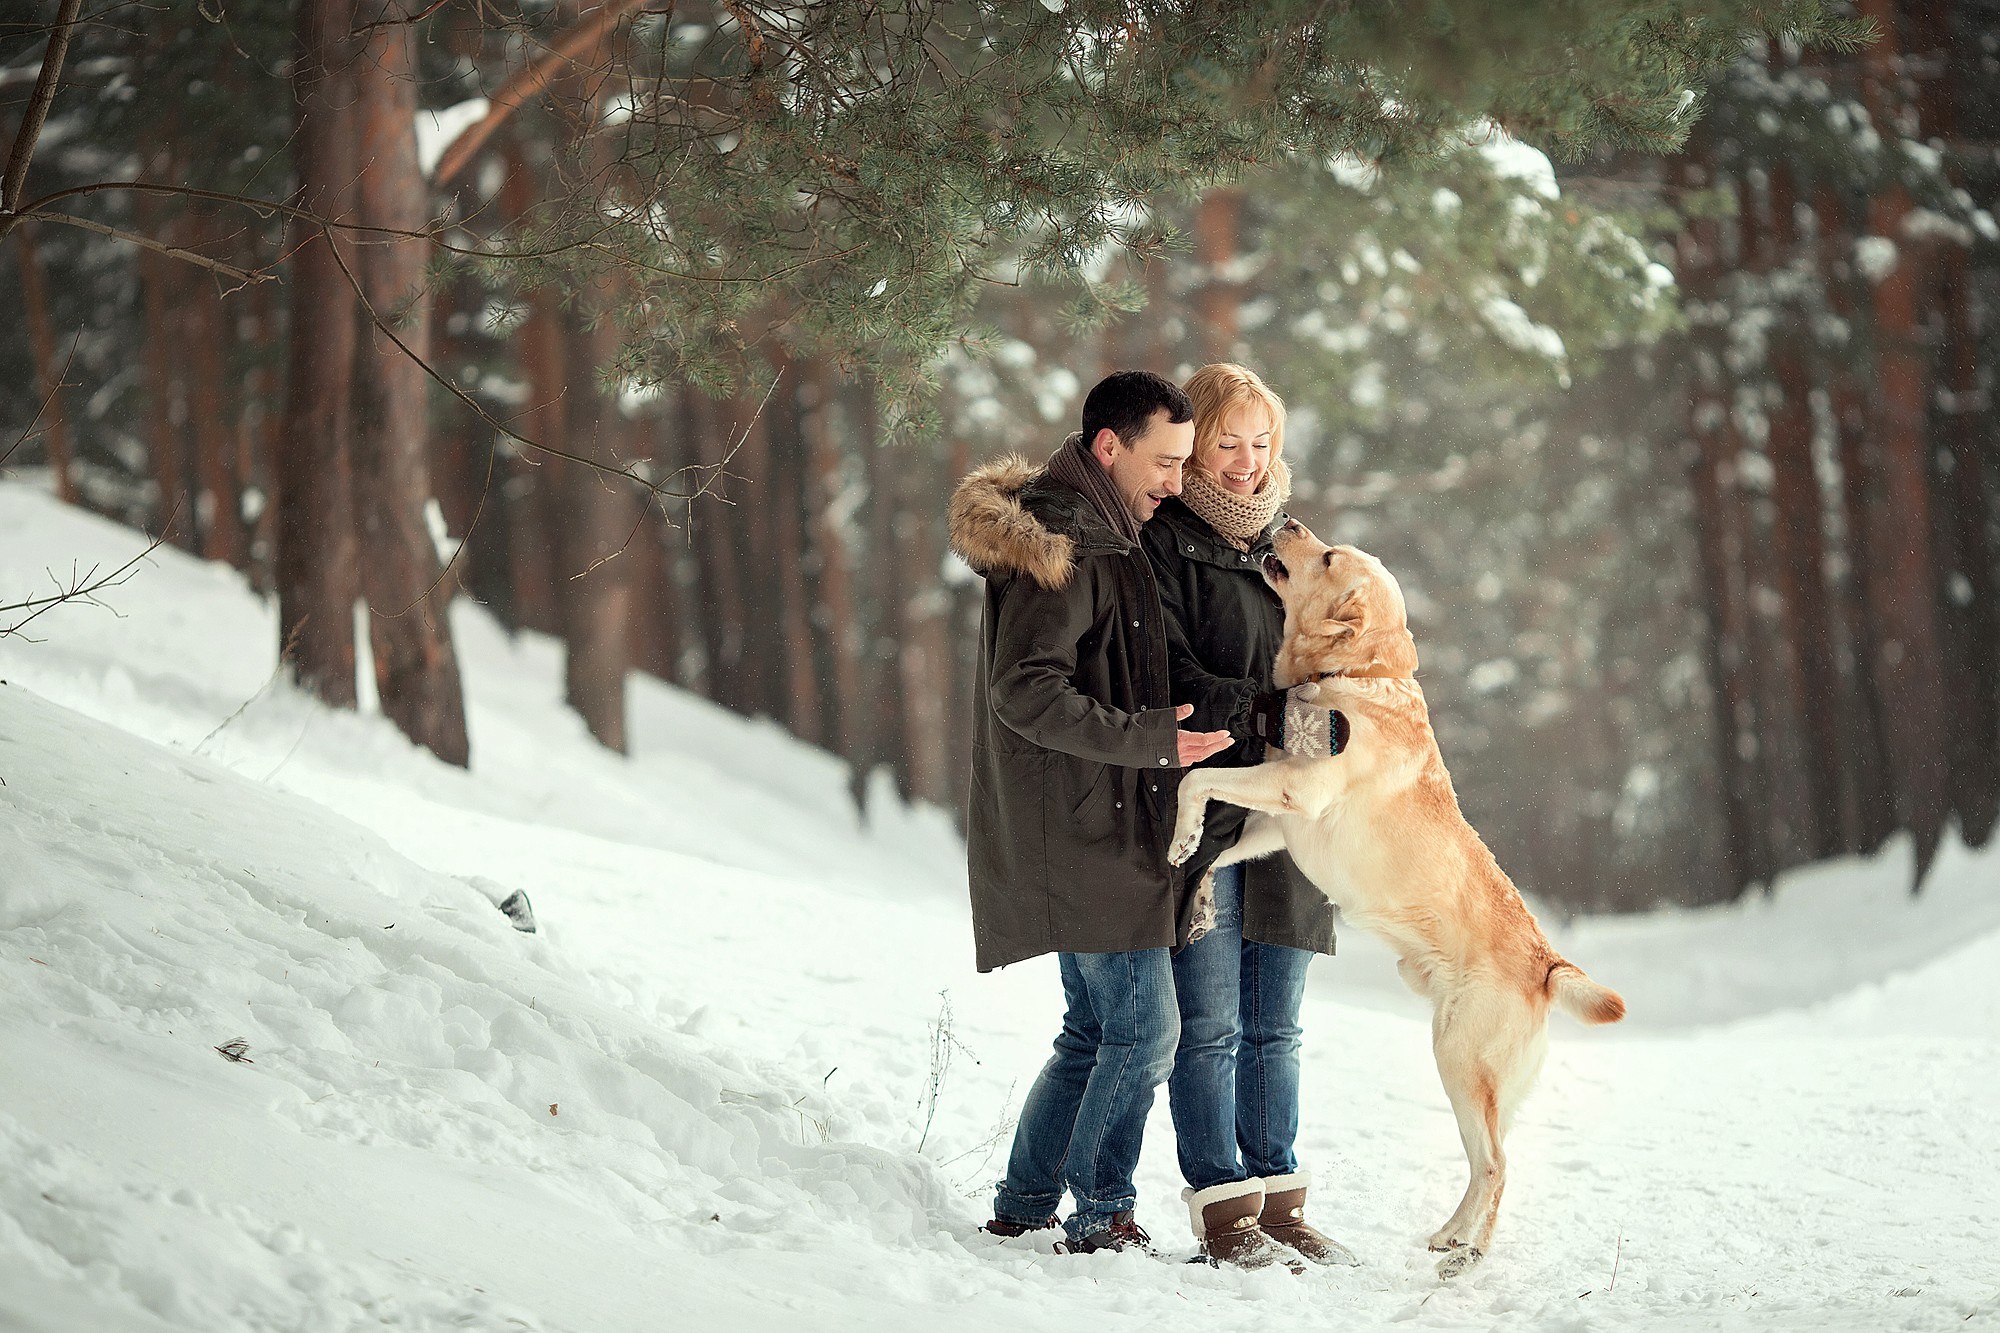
(992, 530)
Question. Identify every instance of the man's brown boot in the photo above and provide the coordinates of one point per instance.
(1224, 1218)
(1283, 1219)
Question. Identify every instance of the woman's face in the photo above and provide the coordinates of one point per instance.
(1242, 453)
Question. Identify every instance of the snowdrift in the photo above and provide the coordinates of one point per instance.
(744, 1076)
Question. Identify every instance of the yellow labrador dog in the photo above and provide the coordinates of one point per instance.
(1378, 829)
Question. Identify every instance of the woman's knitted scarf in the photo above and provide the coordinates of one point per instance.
(1237, 519)
(1074, 465)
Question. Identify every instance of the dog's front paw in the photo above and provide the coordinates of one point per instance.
(1459, 1262)
(1187, 837)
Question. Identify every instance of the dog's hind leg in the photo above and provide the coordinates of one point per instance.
(1464, 1040)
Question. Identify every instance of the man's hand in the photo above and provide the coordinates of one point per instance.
(1195, 746)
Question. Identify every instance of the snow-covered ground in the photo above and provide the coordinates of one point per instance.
(746, 1078)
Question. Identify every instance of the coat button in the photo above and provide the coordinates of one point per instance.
(1135, 624)
(1118, 805)
(1156, 786)
(1244, 559)
(1190, 550)
(1163, 764)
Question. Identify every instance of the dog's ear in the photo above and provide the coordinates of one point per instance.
(1350, 617)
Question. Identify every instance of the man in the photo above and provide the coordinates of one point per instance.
(1075, 768)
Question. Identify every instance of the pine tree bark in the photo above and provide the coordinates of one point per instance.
(1970, 609)
(416, 665)
(925, 661)
(1721, 532)
(1870, 789)
(659, 621)
(785, 451)
(600, 521)
(752, 527)
(883, 742)
(316, 548)
(836, 626)
(168, 460)
(718, 585)
(531, 480)
(257, 433)
(1799, 548)
(221, 510)
(48, 369)
(1218, 221)
(1907, 643)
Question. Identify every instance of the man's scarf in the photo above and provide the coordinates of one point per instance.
(1074, 465)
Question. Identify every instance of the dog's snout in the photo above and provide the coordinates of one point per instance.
(1291, 525)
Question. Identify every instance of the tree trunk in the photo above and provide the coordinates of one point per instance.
(785, 497)
(316, 548)
(1721, 534)
(48, 368)
(1962, 440)
(416, 667)
(1864, 743)
(1972, 604)
(1908, 642)
(882, 730)
(530, 485)
(836, 625)
(718, 586)
(659, 619)
(925, 617)
(1799, 547)
(172, 516)
(1217, 221)
(257, 440)
(207, 354)
(599, 521)
(743, 425)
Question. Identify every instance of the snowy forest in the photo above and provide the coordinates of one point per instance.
(665, 330)
(488, 699)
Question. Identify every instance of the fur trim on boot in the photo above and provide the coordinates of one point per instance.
(1224, 1218)
(1283, 1219)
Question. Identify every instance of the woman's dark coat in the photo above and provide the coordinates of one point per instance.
(1224, 628)
(1074, 761)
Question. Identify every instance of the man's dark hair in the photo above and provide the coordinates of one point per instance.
(1125, 402)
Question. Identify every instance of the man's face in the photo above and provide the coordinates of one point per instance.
(1148, 470)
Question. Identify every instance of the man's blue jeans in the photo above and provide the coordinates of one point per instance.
(1083, 1119)
(1236, 1077)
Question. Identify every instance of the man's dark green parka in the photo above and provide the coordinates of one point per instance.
(1074, 760)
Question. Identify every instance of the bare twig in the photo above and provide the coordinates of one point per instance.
(717, 471)
(37, 112)
(405, 20)
(48, 400)
(284, 659)
(82, 587)
(1618, 1255)
(243, 277)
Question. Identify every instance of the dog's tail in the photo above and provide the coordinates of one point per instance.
(1581, 998)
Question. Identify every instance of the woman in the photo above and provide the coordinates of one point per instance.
(1234, 1091)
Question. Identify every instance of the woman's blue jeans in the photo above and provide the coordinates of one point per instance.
(1083, 1119)
(1235, 1085)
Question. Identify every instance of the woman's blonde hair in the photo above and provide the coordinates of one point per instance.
(1218, 389)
